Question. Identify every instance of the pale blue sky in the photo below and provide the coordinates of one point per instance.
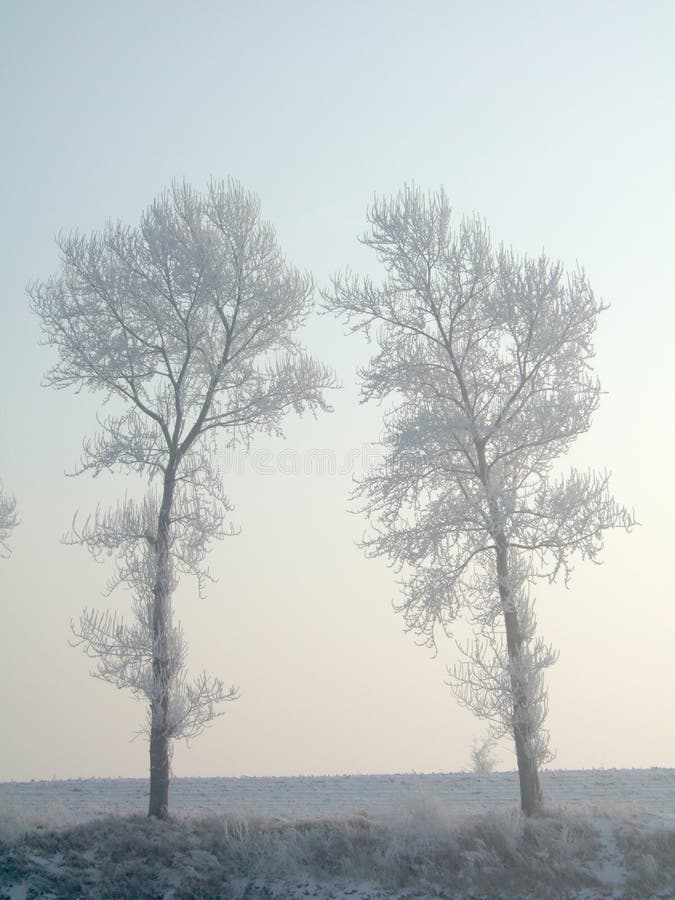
(556, 122)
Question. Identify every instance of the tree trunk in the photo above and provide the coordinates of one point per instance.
(159, 764)
(528, 773)
(160, 739)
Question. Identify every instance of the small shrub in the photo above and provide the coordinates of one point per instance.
(483, 758)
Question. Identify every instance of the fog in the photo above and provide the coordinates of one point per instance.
(557, 127)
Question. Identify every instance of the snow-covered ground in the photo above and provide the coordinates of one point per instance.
(609, 833)
(640, 793)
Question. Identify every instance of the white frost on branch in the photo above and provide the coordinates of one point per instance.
(124, 657)
(486, 357)
(125, 652)
(188, 323)
(483, 760)
(8, 520)
(488, 679)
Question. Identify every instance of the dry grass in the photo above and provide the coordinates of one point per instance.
(424, 854)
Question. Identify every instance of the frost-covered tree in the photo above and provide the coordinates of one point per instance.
(187, 325)
(8, 520)
(486, 357)
(483, 760)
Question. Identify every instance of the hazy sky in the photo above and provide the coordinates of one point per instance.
(556, 122)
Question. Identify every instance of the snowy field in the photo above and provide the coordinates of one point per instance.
(644, 793)
(607, 833)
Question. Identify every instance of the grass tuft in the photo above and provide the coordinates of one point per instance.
(425, 853)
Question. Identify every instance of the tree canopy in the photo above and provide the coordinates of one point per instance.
(188, 324)
(486, 358)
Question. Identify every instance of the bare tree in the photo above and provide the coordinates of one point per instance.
(486, 356)
(187, 325)
(8, 520)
